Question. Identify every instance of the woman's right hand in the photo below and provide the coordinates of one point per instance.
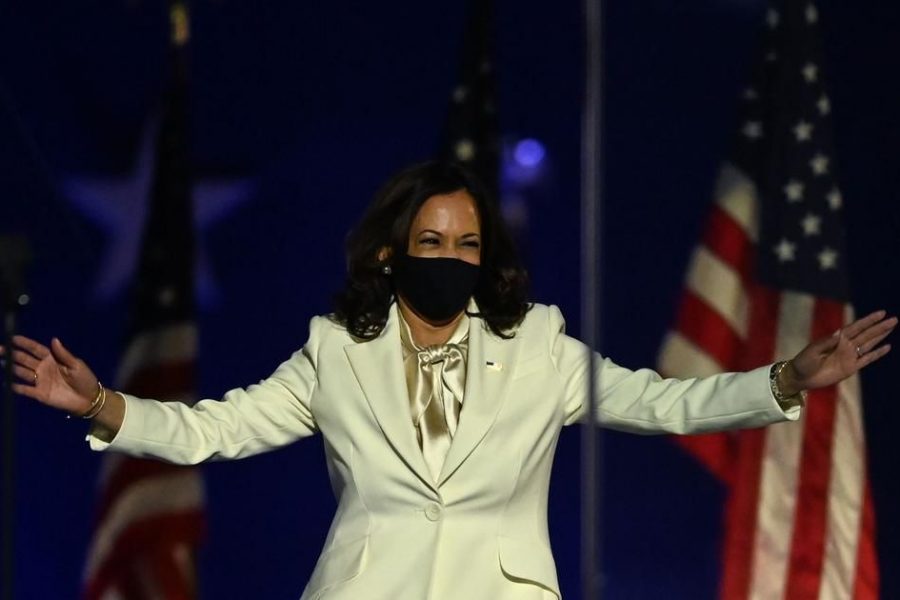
(53, 376)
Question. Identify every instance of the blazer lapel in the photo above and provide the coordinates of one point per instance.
(489, 370)
(378, 365)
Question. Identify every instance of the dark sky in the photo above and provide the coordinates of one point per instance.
(315, 104)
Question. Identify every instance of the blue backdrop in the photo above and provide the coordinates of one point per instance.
(315, 104)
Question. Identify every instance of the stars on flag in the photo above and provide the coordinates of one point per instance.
(794, 191)
(464, 150)
(167, 296)
(811, 13)
(810, 72)
(811, 224)
(753, 130)
(801, 237)
(827, 259)
(803, 131)
(785, 250)
(471, 132)
(834, 199)
(819, 164)
(800, 251)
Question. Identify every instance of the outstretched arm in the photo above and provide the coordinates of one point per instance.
(272, 413)
(830, 360)
(56, 377)
(642, 401)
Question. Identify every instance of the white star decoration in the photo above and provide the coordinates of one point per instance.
(819, 164)
(827, 259)
(794, 191)
(824, 105)
(120, 205)
(785, 250)
(750, 94)
(752, 130)
(803, 131)
(835, 200)
(810, 72)
(812, 13)
(772, 18)
(459, 94)
(812, 225)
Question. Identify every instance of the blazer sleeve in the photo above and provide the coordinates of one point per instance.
(644, 402)
(268, 415)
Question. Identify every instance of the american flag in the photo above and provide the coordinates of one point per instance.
(150, 517)
(769, 275)
(471, 132)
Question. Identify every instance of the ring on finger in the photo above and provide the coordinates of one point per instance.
(859, 353)
(35, 377)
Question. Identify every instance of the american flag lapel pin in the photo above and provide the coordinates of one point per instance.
(493, 366)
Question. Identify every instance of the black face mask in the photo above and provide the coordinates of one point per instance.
(437, 288)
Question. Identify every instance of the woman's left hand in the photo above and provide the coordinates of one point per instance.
(830, 360)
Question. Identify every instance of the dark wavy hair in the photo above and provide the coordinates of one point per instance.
(502, 289)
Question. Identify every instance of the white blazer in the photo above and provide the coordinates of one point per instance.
(480, 530)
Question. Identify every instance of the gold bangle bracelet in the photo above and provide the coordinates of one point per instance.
(101, 396)
(92, 412)
(99, 393)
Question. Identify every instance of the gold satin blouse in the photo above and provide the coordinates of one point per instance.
(435, 380)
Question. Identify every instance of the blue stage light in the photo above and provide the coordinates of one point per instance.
(529, 153)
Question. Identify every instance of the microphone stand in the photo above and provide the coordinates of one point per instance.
(14, 257)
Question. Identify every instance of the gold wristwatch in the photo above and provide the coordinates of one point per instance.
(785, 402)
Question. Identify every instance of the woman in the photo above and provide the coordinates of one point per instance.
(441, 394)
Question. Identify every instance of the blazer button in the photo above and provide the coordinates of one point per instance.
(433, 511)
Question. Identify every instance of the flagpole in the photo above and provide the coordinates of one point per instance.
(591, 204)
(14, 256)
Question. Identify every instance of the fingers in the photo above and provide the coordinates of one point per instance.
(874, 355)
(24, 374)
(871, 336)
(62, 354)
(827, 345)
(879, 330)
(25, 359)
(866, 347)
(860, 325)
(34, 348)
(20, 357)
(25, 390)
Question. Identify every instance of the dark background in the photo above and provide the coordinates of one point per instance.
(317, 103)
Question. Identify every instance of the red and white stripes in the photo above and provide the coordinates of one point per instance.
(150, 516)
(799, 522)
